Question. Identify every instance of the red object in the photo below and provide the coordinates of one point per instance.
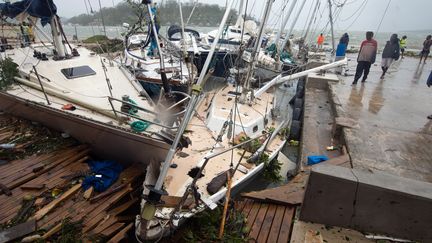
(69, 107)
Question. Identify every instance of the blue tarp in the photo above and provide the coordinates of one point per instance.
(105, 174)
(43, 9)
(315, 159)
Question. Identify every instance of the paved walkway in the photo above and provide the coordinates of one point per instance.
(394, 134)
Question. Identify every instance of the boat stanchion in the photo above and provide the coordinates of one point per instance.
(42, 87)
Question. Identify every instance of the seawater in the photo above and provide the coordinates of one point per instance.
(415, 38)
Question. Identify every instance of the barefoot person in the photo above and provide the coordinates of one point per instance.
(403, 45)
(389, 54)
(426, 48)
(366, 57)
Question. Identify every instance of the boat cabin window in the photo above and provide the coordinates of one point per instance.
(77, 72)
(255, 128)
(235, 31)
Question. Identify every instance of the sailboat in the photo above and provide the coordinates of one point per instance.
(234, 134)
(88, 96)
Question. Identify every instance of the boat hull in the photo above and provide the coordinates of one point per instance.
(106, 141)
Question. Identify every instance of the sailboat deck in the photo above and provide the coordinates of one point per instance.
(92, 91)
(203, 140)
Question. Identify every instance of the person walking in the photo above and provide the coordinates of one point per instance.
(320, 41)
(391, 52)
(403, 45)
(426, 48)
(366, 57)
(341, 50)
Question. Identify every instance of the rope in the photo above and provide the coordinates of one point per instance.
(382, 18)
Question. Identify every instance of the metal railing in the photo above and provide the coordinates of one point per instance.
(116, 112)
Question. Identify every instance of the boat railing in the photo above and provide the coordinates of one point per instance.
(132, 115)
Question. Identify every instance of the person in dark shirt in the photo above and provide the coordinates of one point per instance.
(390, 53)
(426, 48)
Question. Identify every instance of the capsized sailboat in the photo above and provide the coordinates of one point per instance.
(88, 96)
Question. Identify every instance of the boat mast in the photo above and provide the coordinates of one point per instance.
(57, 38)
(240, 15)
(247, 84)
(292, 25)
(331, 25)
(284, 23)
(164, 78)
(311, 20)
(156, 193)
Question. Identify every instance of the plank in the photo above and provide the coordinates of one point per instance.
(45, 210)
(286, 225)
(32, 176)
(291, 193)
(247, 207)
(250, 218)
(123, 207)
(266, 225)
(121, 235)
(276, 225)
(17, 231)
(256, 227)
(112, 230)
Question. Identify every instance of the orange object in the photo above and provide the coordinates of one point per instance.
(69, 107)
(320, 39)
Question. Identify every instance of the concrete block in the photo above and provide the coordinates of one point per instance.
(320, 81)
(329, 196)
(369, 201)
(393, 205)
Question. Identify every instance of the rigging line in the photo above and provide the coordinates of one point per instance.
(382, 18)
(307, 18)
(359, 13)
(88, 13)
(355, 12)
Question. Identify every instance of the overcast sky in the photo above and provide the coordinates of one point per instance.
(401, 15)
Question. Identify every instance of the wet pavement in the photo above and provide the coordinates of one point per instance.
(394, 134)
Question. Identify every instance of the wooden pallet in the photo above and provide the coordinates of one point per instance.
(267, 222)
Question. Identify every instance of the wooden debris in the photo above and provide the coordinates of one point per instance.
(17, 231)
(31, 238)
(39, 214)
(107, 193)
(218, 182)
(52, 231)
(4, 189)
(33, 186)
(88, 193)
(122, 235)
(291, 193)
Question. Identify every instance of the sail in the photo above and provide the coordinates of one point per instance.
(43, 9)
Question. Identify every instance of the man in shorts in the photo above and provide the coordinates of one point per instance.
(426, 48)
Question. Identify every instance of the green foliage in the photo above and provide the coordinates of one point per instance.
(96, 39)
(204, 227)
(168, 14)
(101, 44)
(70, 232)
(283, 133)
(272, 168)
(8, 70)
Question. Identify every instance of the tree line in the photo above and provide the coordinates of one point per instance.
(168, 14)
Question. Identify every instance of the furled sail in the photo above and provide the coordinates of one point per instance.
(43, 9)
